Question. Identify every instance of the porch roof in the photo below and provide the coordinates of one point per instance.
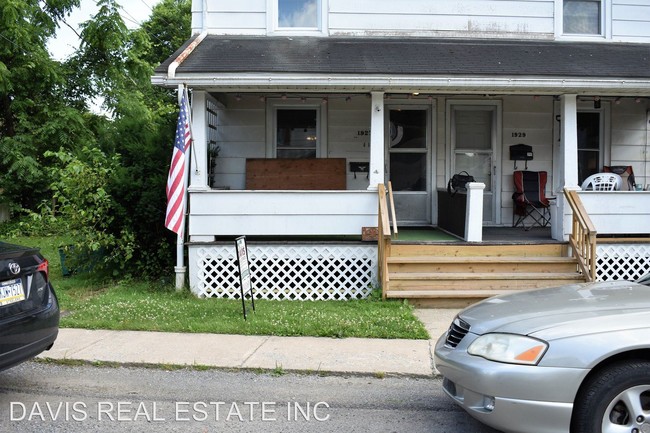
(392, 63)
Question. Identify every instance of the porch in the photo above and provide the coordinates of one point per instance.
(379, 111)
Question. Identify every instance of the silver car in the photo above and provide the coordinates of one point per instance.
(573, 358)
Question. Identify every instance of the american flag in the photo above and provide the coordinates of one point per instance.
(175, 217)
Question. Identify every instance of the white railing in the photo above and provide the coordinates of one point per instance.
(278, 213)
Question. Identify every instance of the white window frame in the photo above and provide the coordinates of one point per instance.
(605, 23)
(273, 27)
(272, 107)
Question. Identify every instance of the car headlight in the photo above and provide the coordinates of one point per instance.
(509, 348)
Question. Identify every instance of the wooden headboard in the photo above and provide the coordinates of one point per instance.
(300, 174)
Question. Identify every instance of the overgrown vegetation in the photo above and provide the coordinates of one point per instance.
(64, 169)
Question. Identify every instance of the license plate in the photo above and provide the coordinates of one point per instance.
(11, 291)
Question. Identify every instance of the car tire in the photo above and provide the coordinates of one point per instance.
(614, 398)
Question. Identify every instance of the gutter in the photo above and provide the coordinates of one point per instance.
(406, 83)
(171, 70)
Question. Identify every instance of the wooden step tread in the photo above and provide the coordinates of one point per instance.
(480, 259)
(484, 276)
(437, 294)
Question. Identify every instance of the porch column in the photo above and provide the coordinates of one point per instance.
(377, 163)
(198, 157)
(570, 139)
(474, 212)
(569, 164)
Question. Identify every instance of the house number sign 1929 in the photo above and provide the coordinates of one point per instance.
(518, 135)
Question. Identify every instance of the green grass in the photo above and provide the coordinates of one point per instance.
(87, 302)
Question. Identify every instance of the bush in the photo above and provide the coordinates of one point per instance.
(85, 211)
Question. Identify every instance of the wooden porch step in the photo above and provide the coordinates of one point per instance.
(479, 259)
(460, 274)
(479, 281)
(480, 250)
(446, 294)
(394, 276)
(493, 264)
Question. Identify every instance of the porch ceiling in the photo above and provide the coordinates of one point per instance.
(394, 65)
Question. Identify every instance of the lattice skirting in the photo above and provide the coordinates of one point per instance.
(286, 271)
(622, 261)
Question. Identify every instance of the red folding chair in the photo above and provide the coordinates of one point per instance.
(626, 172)
(530, 203)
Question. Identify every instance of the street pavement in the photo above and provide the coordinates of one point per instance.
(363, 356)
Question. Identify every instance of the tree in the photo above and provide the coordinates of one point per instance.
(34, 114)
(117, 64)
(45, 112)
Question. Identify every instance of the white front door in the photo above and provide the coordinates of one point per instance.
(474, 137)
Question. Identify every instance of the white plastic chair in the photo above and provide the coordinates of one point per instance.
(603, 182)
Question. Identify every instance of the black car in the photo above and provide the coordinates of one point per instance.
(29, 311)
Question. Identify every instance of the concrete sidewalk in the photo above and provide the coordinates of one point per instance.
(307, 354)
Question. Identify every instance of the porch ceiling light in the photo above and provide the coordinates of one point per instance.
(596, 102)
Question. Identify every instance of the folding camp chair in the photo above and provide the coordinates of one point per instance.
(626, 172)
(530, 202)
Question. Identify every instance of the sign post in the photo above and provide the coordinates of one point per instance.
(244, 273)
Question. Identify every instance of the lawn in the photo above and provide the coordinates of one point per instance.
(89, 302)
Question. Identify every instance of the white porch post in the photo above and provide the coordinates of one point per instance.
(570, 139)
(474, 213)
(199, 160)
(376, 175)
(569, 164)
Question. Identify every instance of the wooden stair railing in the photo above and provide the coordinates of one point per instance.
(384, 238)
(583, 236)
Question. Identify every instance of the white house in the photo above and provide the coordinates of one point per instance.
(301, 108)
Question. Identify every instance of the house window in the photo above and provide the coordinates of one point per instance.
(298, 14)
(582, 17)
(296, 133)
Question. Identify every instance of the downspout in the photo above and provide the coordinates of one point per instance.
(180, 268)
(171, 70)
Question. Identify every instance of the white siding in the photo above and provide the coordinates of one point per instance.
(347, 121)
(241, 17)
(629, 139)
(631, 20)
(443, 17)
(241, 134)
(534, 118)
(482, 18)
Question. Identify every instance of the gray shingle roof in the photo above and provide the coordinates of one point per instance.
(421, 56)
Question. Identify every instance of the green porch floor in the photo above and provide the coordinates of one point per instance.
(430, 234)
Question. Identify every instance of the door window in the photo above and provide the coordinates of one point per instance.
(296, 133)
(473, 146)
(408, 150)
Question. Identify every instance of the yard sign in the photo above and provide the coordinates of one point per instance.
(244, 273)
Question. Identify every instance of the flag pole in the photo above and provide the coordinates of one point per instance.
(180, 268)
